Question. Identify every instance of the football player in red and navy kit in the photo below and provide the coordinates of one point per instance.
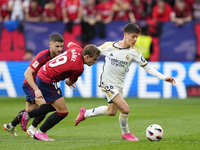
(67, 66)
(34, 97)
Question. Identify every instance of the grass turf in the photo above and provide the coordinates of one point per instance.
(178, 118)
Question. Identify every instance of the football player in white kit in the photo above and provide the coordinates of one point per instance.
(118, 58)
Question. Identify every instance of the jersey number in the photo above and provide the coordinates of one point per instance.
(59, 60)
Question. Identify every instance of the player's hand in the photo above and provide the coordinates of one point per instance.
(171, 80)
(74, 86)
(70, 44)
(38, 94)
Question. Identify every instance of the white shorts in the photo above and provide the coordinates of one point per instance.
(111, 91)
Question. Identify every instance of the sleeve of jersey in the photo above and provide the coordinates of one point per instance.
(103, 48)
(138, 57)
(36, 64)
(154, 72)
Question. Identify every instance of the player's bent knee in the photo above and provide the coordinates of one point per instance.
(39, 101)
(62, 110)
(125, 111)
(63, 114)
(30, 106)
(112, 114)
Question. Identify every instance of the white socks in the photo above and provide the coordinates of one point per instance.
(99, 111)
(32, 127)
(10, 125)
(39, 131)
(102, 111)
(123, 121)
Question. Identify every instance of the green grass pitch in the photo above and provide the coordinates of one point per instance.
(179, 118)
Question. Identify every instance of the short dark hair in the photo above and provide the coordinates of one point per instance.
(56, 37)
(29, 51)
(131, 28)
(91, 50)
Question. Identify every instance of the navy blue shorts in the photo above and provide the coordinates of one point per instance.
(30, 94)
(50, 91)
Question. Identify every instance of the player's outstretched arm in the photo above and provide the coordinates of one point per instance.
(171, 80)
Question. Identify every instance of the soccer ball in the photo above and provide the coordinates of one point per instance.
(154, 132)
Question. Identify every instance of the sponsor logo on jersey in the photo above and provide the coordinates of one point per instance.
(35, 64)
(118, 63)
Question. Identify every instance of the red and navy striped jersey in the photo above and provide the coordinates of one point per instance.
(69, 64)
(38, 62)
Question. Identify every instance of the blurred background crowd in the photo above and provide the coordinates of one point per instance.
(148, 14)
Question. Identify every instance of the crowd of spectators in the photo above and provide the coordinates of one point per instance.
(90, 13)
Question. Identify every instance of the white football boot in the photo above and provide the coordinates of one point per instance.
(10, 129)
(31, 131)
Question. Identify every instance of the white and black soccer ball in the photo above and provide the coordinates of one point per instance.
(154, 132)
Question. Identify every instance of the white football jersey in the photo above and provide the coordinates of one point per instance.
(117, 62)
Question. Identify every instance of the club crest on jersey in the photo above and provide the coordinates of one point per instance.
(58, 91)
(35, 64)
(127, 57)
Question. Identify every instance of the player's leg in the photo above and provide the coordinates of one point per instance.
(123, 107)
(83, 113)
(37, 112)
(53, 119)
(30, 98)
(30, 106)
(41, 110)
(52, 94)
(61, 113)
(123, 117)
(10, 127)
(110, 110)
(31, 129)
